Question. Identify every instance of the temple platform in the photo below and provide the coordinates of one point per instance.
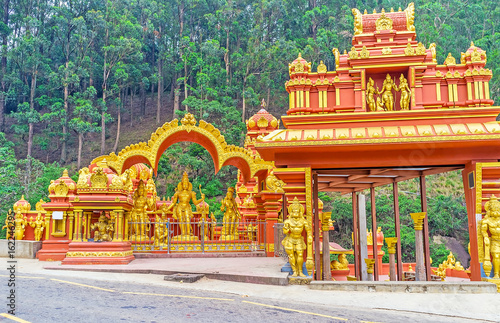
(21, 248)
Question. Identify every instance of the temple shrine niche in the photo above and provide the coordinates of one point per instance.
(387, 112)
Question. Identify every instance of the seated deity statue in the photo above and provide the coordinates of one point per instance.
(139, 218)
(387, 96)
(182, 212)
(490, 230)
(104, 230)
(450, 261)
(340, 264)
(294, 242)
(231, 216)
(38, 224)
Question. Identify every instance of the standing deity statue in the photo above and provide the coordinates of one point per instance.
(294, 242)
(490, 230)
(231, 217)
(138, 215)
(405, 93)
(104, 230)
(20, 223)
(38, 224)
(370, 95)
(182, 209)
(387, 96)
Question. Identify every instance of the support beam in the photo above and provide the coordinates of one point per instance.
(363, 245)
(427, 253)
(397, 229)
(357, 259)
(316, 224)
(374, 234)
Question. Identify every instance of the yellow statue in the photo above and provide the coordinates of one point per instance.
(231, 217)
(405, 93)
(294, 242)
(161, 231)
(8, 224)
(104, 229)
(450, 261)
(182, 209)
(370, 95)
(340, 264)
(20, 223)
(203, 223)
(490, 229)
(387, 97)
(138, 215)
(38, 224)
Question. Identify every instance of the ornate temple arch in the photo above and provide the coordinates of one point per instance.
(204, 134)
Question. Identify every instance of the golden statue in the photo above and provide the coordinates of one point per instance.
(405, 93)
(204, 222)
(104, 229)
(340, 264)
(138, 215)
(490, 230)
(182, 209)
(370, 95)
(20, 223)
(231, 216)
(450, 261)
(8, 224)
(294, 242)
(387, 96)
(38, 224)
(161, 231)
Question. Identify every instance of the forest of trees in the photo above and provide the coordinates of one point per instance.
(79, 76)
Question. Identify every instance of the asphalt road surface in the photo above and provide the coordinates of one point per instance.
(46, 298)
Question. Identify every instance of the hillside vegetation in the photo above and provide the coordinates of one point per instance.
(83, 78)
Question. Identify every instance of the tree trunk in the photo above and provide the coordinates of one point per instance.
(226, 56)
(103, 122)
(160, 90)
(5, 20)
(32, 107)
(132, 106)
(80, 144)
(64, 125)
(118, 125)
(142, 93)
(185, 83)
(176, 100)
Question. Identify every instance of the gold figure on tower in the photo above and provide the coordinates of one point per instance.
(20, 223)
(182, 209)
(490, 229)
(370, 95)
(387, 96)
(294, 242)
(231, 216)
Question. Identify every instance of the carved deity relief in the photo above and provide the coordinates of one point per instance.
(385, 100)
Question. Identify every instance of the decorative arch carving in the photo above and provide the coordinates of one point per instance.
(204, 134)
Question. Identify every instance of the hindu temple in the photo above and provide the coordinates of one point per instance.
(387, 112)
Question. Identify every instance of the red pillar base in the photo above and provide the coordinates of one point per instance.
(103, 253)
(53, 250)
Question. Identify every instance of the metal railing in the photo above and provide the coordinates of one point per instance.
(279, 250)
(196, 236)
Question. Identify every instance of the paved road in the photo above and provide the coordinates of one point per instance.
(49, 298)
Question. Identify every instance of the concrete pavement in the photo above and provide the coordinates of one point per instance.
(482, 307)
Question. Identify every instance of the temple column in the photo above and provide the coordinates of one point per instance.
(271, 206)
(369, 268)
(118, 236)
(391, 248)
(70, 225)
(78, 225)
(325, 227)
(418, 219)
